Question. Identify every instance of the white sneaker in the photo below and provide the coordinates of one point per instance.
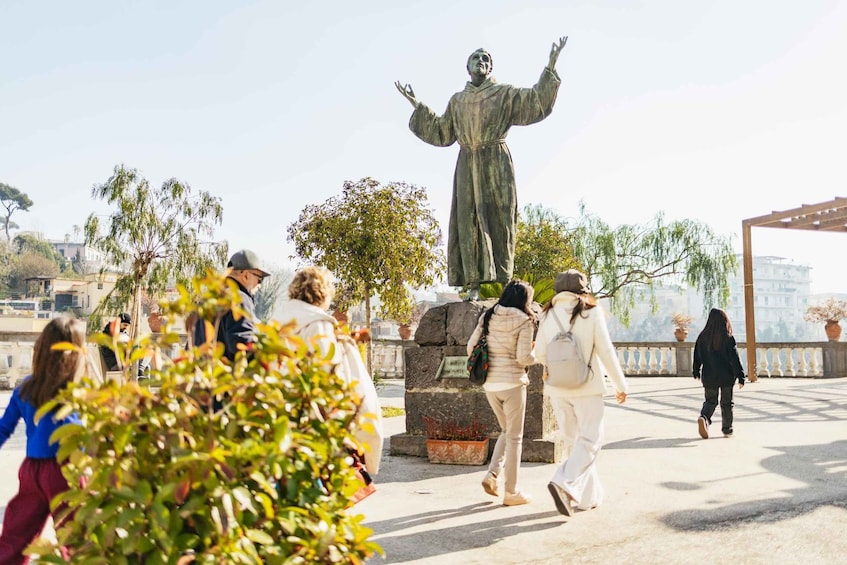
(560, 499)
(516, 498)
(489, 484)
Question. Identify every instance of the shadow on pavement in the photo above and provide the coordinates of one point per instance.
(414, 469)
(820, 466)
(818, 402)
(453, 539)
(651, 443)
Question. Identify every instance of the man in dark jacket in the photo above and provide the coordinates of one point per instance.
(244, 268)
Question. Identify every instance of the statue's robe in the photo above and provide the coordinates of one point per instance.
(484, 212)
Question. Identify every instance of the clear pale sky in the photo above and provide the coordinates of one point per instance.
(712, 110)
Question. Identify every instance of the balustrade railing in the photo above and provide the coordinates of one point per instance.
(388, 358)
(773, 359)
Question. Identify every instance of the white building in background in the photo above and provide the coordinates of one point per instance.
(88, 256)
(73, 294)
(781, 294)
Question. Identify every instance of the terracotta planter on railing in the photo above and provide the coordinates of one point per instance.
(833, 330)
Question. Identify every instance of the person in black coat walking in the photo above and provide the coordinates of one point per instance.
(715, 354)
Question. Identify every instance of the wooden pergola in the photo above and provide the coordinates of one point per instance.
(824, 217)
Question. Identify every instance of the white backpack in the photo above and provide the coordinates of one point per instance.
(566, 367)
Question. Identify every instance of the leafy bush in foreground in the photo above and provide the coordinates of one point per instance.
(263, 479)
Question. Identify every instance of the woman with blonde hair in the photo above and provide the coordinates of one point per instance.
(579, 410)
(310, 293)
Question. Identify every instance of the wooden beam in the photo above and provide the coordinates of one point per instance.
(775, 219)
(750, 321)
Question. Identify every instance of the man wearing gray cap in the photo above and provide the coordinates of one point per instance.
(244, 268)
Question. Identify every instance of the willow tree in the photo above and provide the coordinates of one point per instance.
(628, 261)
(154, 237)
(377, 239)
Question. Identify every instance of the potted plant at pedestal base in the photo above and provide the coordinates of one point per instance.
(830, 312)
(449, 442)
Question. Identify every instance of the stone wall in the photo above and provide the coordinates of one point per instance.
(444, 331)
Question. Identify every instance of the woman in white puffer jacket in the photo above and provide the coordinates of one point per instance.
(579, 411)
(310, 293)
(509, 326)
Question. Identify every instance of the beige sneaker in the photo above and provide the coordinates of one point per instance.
(703, 427)
(516, 498)
(489, 484)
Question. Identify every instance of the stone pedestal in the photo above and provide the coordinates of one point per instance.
(444, 331)
(684, 359)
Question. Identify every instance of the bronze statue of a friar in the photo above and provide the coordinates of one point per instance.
(484, 211)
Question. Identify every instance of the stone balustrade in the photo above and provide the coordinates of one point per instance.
(672, 358)
(388, 358)
(773, 359)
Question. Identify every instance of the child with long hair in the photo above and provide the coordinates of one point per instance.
(509, 326)
(716, 356)
(40, 475)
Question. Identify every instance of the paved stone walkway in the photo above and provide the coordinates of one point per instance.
(776, 492)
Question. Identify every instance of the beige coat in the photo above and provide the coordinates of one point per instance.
(590, 331)
(510, 351)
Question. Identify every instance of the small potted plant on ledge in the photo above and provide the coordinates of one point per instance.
(829, 312)
(448, 441)
(681, 322)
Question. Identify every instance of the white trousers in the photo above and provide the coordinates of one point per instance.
(581, 421)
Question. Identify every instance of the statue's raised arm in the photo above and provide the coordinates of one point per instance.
(407, 92)
(555, 51)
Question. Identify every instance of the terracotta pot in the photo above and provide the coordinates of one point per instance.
(457, 452)
(833, 330)
(155, 322)
(680, 334)
(405, 331)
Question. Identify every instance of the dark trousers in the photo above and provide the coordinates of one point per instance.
(726, 406)
(26, 514)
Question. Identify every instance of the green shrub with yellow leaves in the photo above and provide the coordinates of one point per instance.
(216, 463)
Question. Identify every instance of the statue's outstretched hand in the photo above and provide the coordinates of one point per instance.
(407, 92)
(555, 51)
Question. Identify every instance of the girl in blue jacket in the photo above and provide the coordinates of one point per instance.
(40, 475)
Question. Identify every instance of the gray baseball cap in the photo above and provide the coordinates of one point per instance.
(246, 260)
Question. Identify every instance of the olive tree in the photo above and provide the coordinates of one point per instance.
(12, 200)
(155, 236)
(543, 246)
(377, 239)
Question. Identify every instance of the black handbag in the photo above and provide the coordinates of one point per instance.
(478, 361)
